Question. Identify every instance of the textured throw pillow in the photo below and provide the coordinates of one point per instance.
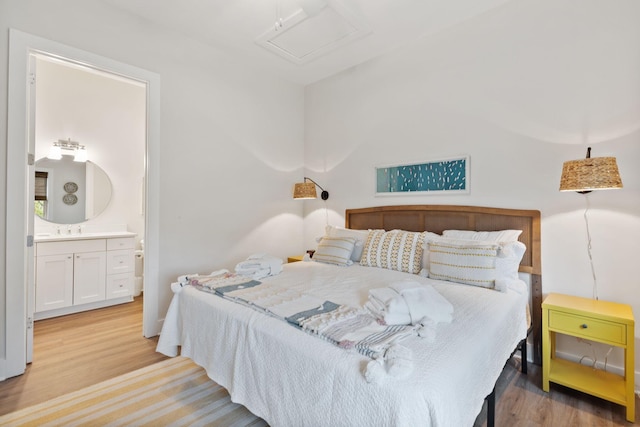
(394, 250)
(359, 235)
(493, 236)
(335, 250)
(471, 263)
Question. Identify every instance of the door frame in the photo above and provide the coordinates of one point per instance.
(21, 46)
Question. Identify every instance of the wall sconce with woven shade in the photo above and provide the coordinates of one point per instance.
(584, 176)
(307, 190)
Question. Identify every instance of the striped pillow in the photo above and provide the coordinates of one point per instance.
(335, 250)
(469, 263)
(394, 250)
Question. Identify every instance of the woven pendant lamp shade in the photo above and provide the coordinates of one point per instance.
(597, 173)
(305, 190)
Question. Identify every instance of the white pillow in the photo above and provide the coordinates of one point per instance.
(359, 235)
(335, 250)
(492, 236)
(508, 262)
(394, 250)
(470, 262)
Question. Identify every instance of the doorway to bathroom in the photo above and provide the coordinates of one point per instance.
(48, 83)
(90, 132)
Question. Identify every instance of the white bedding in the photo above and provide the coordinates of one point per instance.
(290, 378)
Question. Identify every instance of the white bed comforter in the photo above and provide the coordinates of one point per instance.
(290, 378)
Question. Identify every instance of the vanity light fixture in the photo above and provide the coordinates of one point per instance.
(584, 176)
(78, 151)
(307, 190)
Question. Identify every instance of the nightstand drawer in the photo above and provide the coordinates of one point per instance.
(588, 327)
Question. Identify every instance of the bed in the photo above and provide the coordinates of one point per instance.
(292, 378)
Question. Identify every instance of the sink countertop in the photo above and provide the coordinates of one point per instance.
(51, 237)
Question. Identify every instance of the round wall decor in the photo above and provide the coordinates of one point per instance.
(71, 187)
(70, 199)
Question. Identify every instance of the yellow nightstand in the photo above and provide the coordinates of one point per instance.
(295, 258)
(602, 321)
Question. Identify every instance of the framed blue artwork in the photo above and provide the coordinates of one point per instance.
(442, 176)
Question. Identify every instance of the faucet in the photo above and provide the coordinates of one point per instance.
(69, 229)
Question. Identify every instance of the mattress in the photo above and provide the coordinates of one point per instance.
(291, 378)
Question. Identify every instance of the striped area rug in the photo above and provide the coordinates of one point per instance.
(174, 392)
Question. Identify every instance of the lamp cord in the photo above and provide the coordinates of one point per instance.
(593, 271)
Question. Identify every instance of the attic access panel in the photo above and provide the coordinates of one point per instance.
(303, 38)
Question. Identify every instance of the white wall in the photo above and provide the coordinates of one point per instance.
(520, 89)
(231, 137)
(107, 116)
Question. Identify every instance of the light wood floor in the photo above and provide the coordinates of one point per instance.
(520, 401)
(75, 351)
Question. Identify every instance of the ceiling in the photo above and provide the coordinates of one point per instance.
(305, 41)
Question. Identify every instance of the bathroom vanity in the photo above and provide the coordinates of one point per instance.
(78, 272)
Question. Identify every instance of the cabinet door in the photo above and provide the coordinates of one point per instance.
(89, 277)
(54, 282)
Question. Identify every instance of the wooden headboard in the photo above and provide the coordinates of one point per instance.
(437, 218)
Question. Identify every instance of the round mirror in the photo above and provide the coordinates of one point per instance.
(68, 192)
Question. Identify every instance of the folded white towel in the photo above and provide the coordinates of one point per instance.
(251, 264)
(427, 302)
(397, 318)
(383, 295)
(409, 302)
(255, 273)
(259, 266)
(404, 285)
(397, 312)
(375, 306)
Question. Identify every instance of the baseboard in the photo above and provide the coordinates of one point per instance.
(80, 308)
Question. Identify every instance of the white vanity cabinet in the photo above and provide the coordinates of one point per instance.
(83, 274)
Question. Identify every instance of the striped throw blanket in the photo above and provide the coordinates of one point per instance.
(344, 326)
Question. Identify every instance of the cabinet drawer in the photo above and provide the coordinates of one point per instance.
(121, 243)
(119, 285)
(58, 248)
(588, 327)
(121, 261)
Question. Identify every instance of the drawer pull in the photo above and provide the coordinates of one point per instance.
(584, 326)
